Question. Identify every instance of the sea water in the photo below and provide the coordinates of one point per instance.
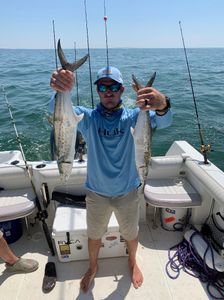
(25, 75)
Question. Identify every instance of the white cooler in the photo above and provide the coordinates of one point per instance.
(70, 236)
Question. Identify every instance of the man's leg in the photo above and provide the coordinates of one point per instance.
(87, 279)
(14, 263)
(127, 213)
(136, 274)
(6, 253)
(98, 216)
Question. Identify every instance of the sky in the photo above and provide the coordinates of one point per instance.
(130, 23)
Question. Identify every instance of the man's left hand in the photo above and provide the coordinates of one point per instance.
(149, 98)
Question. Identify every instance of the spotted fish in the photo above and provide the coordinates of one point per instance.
(65, 122)
(142, 134)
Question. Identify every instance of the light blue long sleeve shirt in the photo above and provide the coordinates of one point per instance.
(111, 168)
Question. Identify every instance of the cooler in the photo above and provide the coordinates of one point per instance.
(70, 236)
(12, 230)
(174, 219)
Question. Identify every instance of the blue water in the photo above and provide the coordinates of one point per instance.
(25, 75)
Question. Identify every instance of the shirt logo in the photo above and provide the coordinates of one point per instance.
(108, 133)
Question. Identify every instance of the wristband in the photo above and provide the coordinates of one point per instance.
(166, 108)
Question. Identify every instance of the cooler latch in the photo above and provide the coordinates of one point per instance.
(68, 238)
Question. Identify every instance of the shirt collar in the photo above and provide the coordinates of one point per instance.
(117, 110)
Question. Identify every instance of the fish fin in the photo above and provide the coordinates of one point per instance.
(50, 120)
(136, 84)
(65, 64)
(132, 131)
(78, 118)
(151, 80)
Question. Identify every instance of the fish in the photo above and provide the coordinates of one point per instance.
(142, 134)
(65, 121)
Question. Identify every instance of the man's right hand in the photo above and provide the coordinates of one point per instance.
(62, 80)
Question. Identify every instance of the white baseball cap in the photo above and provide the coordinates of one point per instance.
(109, 72)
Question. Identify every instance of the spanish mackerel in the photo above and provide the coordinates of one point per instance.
(142, 134)
(65, 121)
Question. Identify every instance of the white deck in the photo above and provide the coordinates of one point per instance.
(112, 281)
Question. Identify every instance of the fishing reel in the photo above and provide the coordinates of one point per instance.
(80, 147)
(205, 148)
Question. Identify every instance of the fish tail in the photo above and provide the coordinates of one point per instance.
(136, 84)
(151, 80)
(65, 64)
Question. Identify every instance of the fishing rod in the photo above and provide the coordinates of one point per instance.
(87, 37)
(204, 148)
(76, 79)
(52, 139)
(55, 50)
(42, 214)
(106, 35)
(80, 142)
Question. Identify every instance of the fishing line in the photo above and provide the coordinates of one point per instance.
(106, 35)
(80, 142)
(14, 125)
(52, 139)
(76, 79)
(42, 214)
(87, 37)
(204, 148)
(55, 49)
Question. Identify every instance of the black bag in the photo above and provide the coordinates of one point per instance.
(69, 199)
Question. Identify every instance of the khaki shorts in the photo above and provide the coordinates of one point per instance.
(100, 208)
(1, 234)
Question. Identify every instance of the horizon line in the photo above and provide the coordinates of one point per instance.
(99, 48)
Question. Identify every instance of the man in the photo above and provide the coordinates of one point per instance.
(14, 263)
(112, 178)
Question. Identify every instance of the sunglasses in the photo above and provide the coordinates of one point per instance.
(115, 87)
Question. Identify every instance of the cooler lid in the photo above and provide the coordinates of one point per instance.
(68, 219)
(72, 219)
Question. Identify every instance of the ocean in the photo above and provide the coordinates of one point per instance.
(25, 75)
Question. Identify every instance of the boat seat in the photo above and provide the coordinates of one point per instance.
(16, 203)
(174, 192)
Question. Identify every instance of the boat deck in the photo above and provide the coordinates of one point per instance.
(112, 281)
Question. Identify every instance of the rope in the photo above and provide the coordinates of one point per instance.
(187, 259)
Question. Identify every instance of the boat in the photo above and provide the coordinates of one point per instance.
(180, 188)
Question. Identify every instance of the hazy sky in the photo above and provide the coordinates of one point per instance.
(131, 23)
